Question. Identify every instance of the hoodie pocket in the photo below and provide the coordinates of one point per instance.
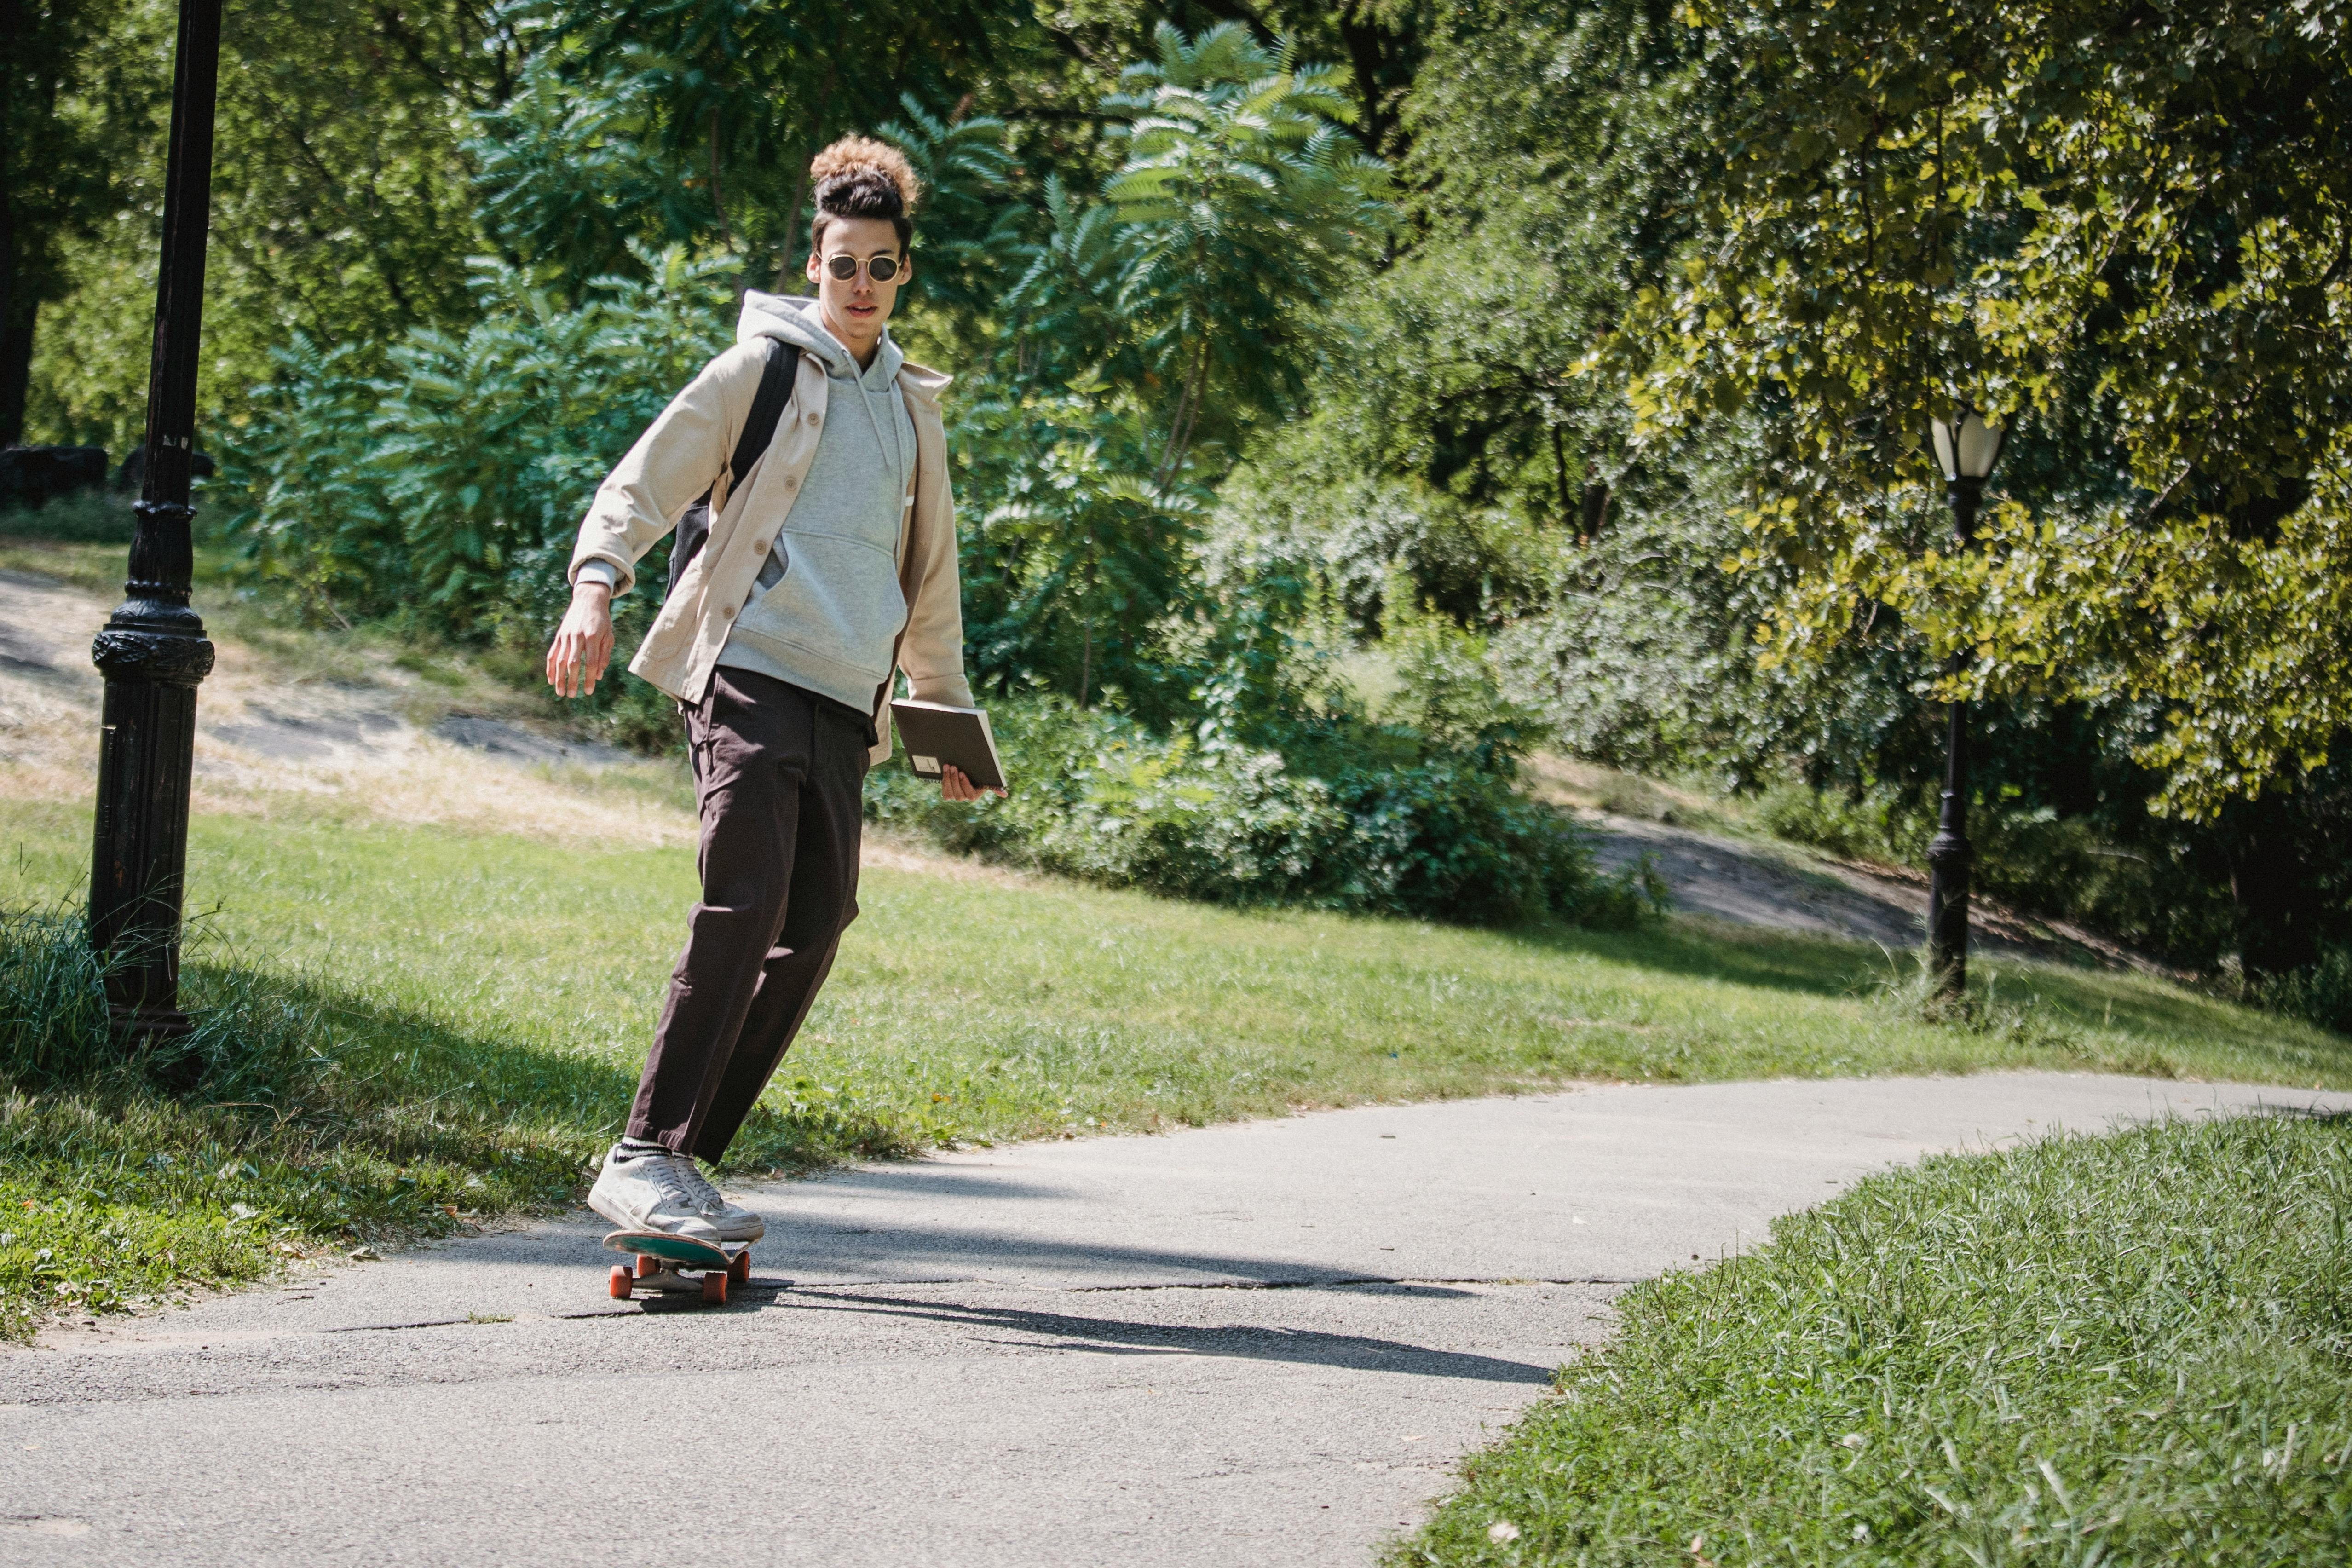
(773, 569)
(838, 600)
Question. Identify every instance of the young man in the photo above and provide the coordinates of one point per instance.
(830, 565)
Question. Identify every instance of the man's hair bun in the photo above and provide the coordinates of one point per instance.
(860, 177)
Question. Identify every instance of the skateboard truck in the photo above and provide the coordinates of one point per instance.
(677, 1264)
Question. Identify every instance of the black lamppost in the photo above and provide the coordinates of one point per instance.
(154, 651)
(1966, 449)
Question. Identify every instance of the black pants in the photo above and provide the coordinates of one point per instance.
(779, 773)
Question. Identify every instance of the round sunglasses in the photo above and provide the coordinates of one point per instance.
(882, 268)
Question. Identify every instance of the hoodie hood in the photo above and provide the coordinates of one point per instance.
(799, 320)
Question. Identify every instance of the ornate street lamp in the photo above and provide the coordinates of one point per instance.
(1967, 448)
(154, 652)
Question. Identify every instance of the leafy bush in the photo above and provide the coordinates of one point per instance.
(1358, 817)
(440, 482)
(2320, 993)
(304, 497)
(1880, 825)
(444, 478)
(85, 517)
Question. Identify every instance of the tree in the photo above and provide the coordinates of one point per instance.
(341, 203)
(1247, 206)
(73, 106)
(1177, 304)
(741, 93)
(566, 180)
(1454, 431)
(2122, 229)
(971, 216)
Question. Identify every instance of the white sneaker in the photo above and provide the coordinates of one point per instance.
(646, 1191)
(733, 1221)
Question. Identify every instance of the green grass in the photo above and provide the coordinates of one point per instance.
(294, 1118)
(480, 1006)
(2126, 1350)
(96, 567)
(97, 517)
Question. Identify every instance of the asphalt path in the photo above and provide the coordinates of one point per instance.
(1266, 1344)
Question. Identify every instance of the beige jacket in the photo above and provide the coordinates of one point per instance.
(685, 452)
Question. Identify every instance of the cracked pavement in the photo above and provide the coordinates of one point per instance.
(1263, 1343)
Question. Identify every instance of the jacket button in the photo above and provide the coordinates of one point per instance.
(791, 482)
(813, 416)
(762, 547)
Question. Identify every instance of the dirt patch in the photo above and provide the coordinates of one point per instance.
(372, 739)
(1717, 875)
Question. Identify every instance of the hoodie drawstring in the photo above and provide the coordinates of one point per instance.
(804, 328)
(898, 446)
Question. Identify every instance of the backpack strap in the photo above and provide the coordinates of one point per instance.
(759, 432)
(760, 426)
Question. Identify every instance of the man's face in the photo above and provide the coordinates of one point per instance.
(856, 307)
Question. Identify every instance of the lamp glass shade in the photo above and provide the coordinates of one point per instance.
(1971, 451)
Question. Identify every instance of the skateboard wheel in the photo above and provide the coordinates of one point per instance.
(622, 1282)
(647, 1265)
(714, 1287)
(738, 1267)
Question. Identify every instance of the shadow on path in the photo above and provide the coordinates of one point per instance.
(1077, 1264)
(1116, 1336)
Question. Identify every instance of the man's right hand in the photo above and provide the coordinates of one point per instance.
(584, 643)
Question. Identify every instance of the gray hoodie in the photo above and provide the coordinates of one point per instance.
(827, 609)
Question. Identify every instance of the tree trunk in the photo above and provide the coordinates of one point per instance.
(792, 231)
(1593, 511)
(800, 186)
(1560, 470)
(717, 196)
(2277, 914)
(1086, 638)
(1180, 428)
(1378, 51)
(16, 335)
(15, 369)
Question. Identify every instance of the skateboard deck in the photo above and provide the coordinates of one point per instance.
(676, 1263)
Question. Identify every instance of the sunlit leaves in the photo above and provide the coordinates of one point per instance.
(566, 179)
(971, 230)
(1246, 203)
(1152, 323)
(449, 486)
(2033, 210)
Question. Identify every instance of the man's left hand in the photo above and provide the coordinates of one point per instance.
(954, 786)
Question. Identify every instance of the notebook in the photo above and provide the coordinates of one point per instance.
(935, 735)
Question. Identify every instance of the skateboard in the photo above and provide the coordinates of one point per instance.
(677, 1265)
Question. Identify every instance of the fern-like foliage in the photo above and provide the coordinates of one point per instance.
(446, 480)
(971, 237)
(1247, 205)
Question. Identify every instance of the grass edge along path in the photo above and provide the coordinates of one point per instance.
(293, 1120)
(2130, 1349)
(460, 1019)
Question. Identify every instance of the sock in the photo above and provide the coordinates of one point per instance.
(638, 1148)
